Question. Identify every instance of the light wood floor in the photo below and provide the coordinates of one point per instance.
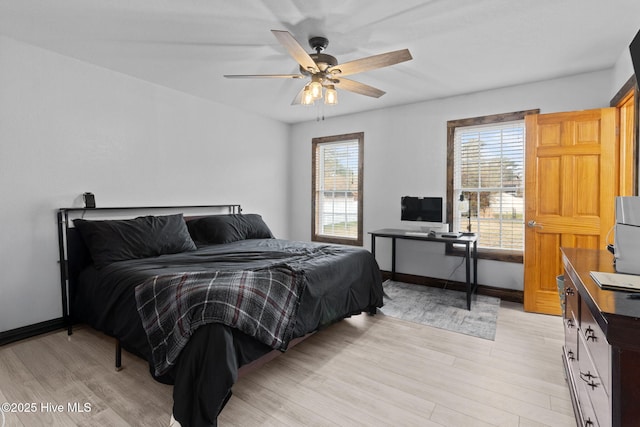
(376, 371)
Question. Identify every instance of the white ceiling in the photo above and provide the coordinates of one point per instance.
(458, 46)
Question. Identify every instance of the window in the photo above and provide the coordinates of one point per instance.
(485, 191)
(337, 189)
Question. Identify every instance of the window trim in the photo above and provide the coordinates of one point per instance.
(493, 254)
(359, 136)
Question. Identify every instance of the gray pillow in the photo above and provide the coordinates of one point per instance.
(216, 229)
(146, 236)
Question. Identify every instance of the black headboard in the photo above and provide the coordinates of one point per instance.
(74, 254)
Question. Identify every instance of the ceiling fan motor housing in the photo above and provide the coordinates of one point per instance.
(318, 43)
(322, 60)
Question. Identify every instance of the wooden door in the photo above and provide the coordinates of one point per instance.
(571, 180)
(627, 136)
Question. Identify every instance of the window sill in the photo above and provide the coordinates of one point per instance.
(336, 240)
(491, 254)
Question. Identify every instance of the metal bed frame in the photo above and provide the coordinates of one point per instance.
(71, 247)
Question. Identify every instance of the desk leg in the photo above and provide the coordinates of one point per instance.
(467, 254)
(373, 246)
(393, 258)
(475, 265)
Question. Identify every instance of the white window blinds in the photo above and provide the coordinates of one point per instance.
(489, 174)
(337, 189)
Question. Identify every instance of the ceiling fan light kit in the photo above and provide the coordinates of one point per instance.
(313, 92)
(307, 96)
(316, 86)
(325, 72)
(330, 95)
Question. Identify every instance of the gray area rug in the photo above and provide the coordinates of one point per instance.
(442, 308)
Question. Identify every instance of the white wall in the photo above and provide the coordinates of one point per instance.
(67, 127)
(405, 154)
(622, 71)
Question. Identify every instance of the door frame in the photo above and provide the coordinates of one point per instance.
(629, 147)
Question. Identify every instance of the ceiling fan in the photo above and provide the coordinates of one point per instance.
(325, 72)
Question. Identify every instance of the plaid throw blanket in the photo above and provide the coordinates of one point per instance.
(260, 303)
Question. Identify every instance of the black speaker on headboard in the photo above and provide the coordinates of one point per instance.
(634, 48)
(89, 200)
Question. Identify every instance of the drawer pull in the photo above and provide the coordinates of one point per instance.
(588, 423)
(568, 291)
(570, 355)
(588, 375)
(590, 334)
(587, 378)
(570, 323)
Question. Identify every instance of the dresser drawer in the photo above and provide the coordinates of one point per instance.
(571, 336)
(593, 398)
(596, 345)
(587, 413)
(571, 296)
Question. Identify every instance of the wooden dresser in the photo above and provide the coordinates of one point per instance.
(602, 344)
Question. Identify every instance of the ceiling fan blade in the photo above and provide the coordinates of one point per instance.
(264, 76)
(370, 63)
(295, 50)
(357, 87)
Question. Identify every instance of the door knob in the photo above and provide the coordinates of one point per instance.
(531, 223)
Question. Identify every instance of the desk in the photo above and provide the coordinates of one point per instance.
(470, 243)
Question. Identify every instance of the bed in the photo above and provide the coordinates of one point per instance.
(204, 295)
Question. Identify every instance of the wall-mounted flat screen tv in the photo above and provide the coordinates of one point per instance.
(634, 48)
(426, 209)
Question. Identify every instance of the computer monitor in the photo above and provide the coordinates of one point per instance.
(422, 209)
